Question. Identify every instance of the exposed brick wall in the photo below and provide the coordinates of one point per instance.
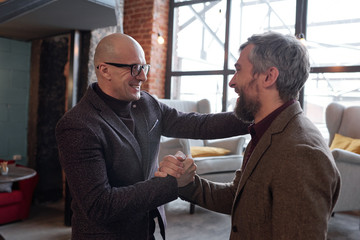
(143, 21)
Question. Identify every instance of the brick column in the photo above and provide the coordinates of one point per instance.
(143, 20)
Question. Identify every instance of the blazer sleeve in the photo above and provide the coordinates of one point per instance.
(218, 197)
(200, 126)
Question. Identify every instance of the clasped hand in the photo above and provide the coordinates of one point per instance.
(180, 166)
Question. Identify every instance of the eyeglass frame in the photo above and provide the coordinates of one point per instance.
(120, 65)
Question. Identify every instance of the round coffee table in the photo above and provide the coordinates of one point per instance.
(17, 174)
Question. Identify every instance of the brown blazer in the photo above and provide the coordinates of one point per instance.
(287, 190)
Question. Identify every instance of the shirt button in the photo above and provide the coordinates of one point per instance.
(234, 229)
(134, 106)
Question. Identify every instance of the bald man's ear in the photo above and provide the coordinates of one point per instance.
(271, 76)
(104, 71)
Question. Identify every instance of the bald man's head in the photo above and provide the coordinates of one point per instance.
(114, 59)
(120, 48)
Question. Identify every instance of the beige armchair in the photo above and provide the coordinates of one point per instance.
(215, 168)
(346, 121)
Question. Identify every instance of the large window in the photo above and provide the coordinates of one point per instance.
(206, 39)
(249, 17)
(206, 36)
(200, 37)
(333, 42)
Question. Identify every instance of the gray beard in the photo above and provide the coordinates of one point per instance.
(246, 109)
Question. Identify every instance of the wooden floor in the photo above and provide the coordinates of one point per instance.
(46, 222)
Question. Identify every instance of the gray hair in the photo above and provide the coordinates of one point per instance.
(287, 54)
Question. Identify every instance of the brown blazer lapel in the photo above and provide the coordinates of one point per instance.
(265, 142)
(255, 157)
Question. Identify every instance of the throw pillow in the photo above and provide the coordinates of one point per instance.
(346, 143)
(5, 187)
(208, 151)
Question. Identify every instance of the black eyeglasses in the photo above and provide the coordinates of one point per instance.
(135, 68)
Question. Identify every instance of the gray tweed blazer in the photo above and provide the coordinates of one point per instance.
(110, 171)
(287, 190)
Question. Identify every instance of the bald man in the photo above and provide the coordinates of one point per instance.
(108, 147)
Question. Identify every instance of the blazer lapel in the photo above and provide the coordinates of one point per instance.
(265, 142)
(114, 121)
(255, 157)
(142, 128)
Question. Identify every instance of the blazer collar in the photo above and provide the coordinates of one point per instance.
(108, 115)
(278, 125)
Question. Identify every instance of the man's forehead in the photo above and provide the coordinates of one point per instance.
(244, 54)
(247, 49)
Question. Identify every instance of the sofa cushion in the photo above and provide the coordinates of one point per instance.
(218, 164)
(346, 143)
(10, 198)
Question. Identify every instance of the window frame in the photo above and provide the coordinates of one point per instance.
(300, 28)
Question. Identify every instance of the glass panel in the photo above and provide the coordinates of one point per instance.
(231, 103)
(195, 88)
(250, 17)
(323, 88)
(232, 96)
(199, 33)
(332, 35)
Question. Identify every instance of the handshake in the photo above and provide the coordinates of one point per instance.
(180, 166)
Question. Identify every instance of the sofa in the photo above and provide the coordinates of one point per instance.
(216, 160)
(344, 141)
(16, 199)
